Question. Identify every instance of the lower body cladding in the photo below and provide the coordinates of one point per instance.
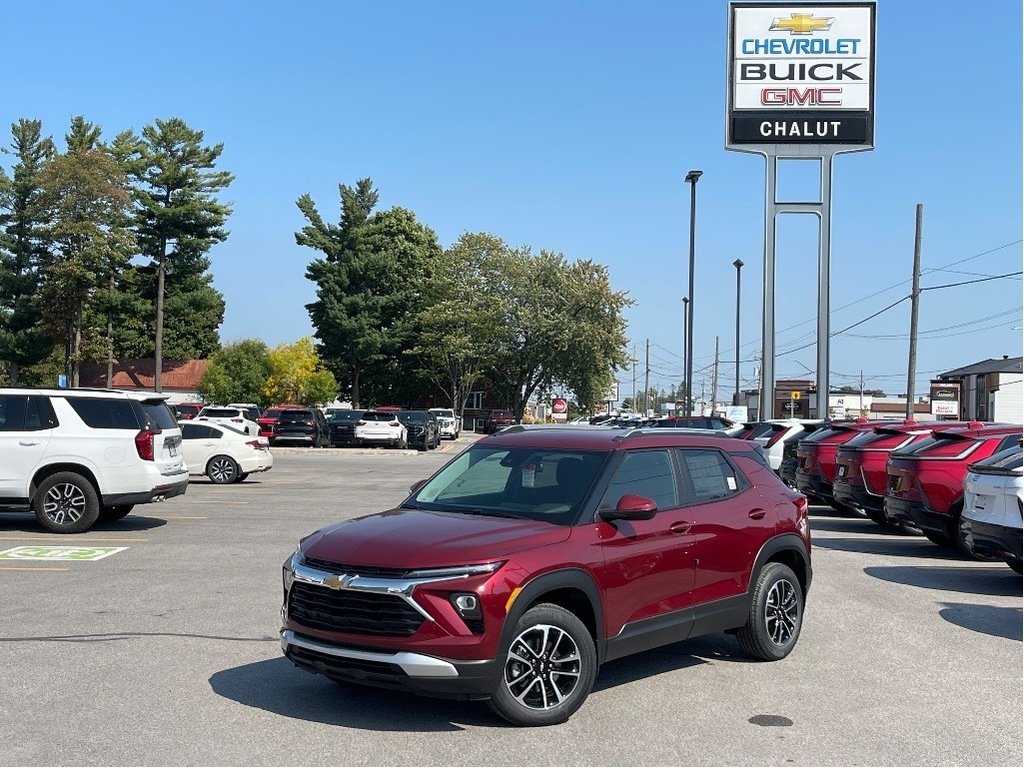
(166, 490)
(992, 541)
(403, 670)
(813, 485)
(899, 510)
(858, 496)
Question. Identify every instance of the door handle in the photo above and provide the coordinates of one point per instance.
(28, 442)
(679, 527)
(756, 514)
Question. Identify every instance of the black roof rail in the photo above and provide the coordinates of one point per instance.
(646, 431)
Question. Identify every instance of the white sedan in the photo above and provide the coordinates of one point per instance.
(236, 418)
(993, 500)
(222, 453)
(381, 428)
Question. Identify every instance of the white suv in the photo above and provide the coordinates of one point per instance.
(75, 456)
(230, 416)
(447, 423)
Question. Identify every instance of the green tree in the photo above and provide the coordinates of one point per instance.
(460, 328)
(237, 373)
(178, 217)
(86, 198)
(23, 340)
(297, 375)
(370, 280)
(561, 323)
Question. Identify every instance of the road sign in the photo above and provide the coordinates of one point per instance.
(794, 394)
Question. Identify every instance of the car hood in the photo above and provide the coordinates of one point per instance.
(413, 538)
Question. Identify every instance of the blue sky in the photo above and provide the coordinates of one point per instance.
(569, 126)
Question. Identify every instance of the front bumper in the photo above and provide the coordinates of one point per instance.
(414, 672)
(989, 540)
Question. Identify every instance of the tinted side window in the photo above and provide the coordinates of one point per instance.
(710, 476)
(100, 413)
(12, 412)
(644, 473)
(159, 415)
(40, 413)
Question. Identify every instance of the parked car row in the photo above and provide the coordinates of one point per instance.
(957, 483)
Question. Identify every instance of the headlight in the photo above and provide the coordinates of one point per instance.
(457, 572)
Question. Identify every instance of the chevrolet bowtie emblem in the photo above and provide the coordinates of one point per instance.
(802, 24)
(336, 581)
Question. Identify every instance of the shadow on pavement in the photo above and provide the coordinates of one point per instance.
(897, 546)
(277, 686)
(25, 522)
(852, 525)
(987, 619)
(988, 579)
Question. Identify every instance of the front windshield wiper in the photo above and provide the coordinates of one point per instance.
(482, 512)
(409, 505)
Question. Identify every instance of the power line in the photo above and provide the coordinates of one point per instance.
(971, 282)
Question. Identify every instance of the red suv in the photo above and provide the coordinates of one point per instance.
(860, 477)
(926, 481)
(816, 458)
(537, 554)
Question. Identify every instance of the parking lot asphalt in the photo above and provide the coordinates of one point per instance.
(166, 653)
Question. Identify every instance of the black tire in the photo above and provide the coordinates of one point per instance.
(877, 517)
(242, 477)
(66, 502)
(776, 614)
(425, 446)
(563, 663)
(222, 470)
(116, 512)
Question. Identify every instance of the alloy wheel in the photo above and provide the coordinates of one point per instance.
(222, 470)
(543, 667)
(64, 503)
(782, 612)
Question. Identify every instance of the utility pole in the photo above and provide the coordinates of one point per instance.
(634, 378)
(861, 392)
(647, 376)
(915, 300)
(714, 381)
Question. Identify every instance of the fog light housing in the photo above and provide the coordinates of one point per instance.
(467, 605)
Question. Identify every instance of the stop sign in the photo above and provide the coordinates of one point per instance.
(558, 405)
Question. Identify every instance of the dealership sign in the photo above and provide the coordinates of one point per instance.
(945, 398)
(801, 73)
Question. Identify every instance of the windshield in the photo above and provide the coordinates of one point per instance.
(534, 484)
(443, 413)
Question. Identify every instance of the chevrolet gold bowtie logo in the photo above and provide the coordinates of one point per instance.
(336, 581)
(802, 24)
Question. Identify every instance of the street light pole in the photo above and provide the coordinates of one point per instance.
(736, 395)
(686, 378)
(691, 179)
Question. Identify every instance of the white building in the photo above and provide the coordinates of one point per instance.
(992, 390)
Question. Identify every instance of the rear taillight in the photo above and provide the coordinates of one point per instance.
(801, 506)
(360, 423)
(775, 438)
(255, 444)
(394, 424)
(145, 444)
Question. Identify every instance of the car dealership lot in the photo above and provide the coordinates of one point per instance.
(166, 652)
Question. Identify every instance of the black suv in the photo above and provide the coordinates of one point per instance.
(343, 427)
(422, 429)
(302, 425)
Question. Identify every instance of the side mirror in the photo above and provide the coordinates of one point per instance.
(417, 485)
(631, 507)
